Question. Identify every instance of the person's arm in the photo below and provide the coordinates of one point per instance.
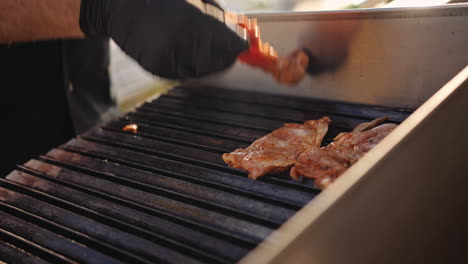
(27, 20)
(176, 39)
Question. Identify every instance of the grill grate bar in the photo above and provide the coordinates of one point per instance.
(207, 116)
(204, 127)
(12, 254)
(13, 188)
(235, 131)
(177, 137)
(98, 226)
(216, 220)
(207, 113)
(239, 240)
(140, 119)
(210, 178)
(246, 111)
(158, 148)
(225, 105)
(180, 153)
(32, 248)
(158, 225)
(241, 118)
(271, 216)
(164, 193)
(52, 241)
(348, 110)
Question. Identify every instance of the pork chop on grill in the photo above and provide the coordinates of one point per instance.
(328, 163)
(279, 150)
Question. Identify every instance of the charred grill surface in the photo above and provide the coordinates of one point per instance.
(163, 194)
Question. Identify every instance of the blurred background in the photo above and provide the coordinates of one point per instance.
(317, 5)
(131, 85)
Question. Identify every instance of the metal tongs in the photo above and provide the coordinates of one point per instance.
(288, 70)
(260, 54)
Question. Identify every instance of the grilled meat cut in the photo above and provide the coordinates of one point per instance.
(365, 126)
(292, 68)
(287, 70)
(279, 150)
(328, 163)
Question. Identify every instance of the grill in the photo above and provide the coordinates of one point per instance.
(163, 194)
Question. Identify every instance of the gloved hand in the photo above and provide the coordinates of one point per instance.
(169, 38)
(213, 3)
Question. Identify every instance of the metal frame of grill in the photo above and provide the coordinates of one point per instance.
(404, 202)
(395, 57)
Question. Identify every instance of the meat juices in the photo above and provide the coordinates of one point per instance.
(278, 151)
(326, 164)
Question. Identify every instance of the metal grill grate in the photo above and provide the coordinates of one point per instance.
(164, 194)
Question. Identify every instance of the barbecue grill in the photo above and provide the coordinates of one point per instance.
(164, 194)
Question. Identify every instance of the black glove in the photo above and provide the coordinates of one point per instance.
(169, 38)
(213, 3)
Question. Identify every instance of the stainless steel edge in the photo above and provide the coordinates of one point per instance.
(392, 57)
(367, 13)
(404, 202)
